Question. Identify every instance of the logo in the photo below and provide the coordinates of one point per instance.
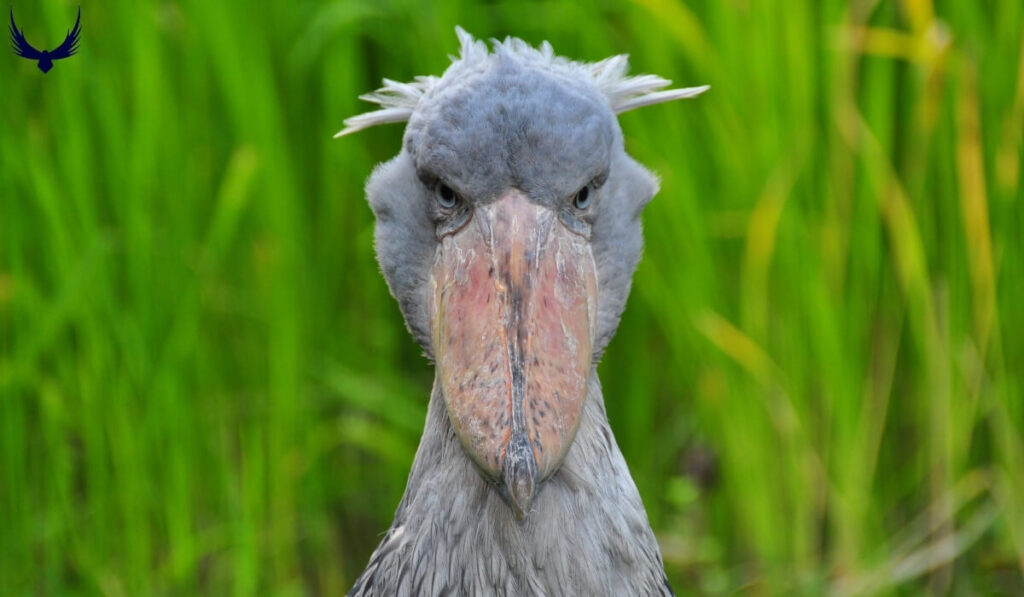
(25, 50)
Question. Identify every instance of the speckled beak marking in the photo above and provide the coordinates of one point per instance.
(513, 308)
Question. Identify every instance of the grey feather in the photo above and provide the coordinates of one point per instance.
(649, 99)
(623, 93)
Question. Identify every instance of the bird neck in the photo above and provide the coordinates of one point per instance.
(452, 530)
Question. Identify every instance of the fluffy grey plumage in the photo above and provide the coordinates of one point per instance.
(515, 118)
(453, 535)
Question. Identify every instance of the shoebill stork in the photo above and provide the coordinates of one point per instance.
(508, 229)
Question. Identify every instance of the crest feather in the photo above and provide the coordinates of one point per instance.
(398, 100)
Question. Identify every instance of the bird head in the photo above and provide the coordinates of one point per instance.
(508, 229)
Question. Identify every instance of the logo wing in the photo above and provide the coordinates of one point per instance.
(21, 47)
(70, 45)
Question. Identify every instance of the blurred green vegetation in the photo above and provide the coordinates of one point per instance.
(205, 387)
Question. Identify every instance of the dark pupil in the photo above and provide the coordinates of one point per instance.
(447, 193)
(582, 196)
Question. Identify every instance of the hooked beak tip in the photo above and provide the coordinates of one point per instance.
(520, 476)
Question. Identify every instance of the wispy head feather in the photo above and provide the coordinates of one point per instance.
(398, 101)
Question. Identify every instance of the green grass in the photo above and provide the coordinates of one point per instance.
(205, 387)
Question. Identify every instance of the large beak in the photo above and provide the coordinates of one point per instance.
(513, 307)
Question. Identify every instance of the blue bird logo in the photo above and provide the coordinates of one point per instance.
(25, 50)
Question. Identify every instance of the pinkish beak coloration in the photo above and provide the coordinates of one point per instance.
(513, 308)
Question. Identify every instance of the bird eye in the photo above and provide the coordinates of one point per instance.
(446, 197)
(582, 198)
